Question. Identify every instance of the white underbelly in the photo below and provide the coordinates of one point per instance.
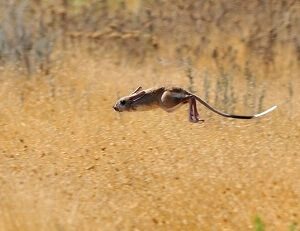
(146, 107)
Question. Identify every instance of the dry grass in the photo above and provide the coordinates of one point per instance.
(69, 162)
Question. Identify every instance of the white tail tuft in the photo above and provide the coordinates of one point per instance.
(265, 112)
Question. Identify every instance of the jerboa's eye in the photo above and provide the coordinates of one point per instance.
(122, 102)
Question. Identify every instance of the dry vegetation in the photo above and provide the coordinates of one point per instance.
(69, 162)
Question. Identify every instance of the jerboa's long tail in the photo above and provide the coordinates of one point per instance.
(234, 116)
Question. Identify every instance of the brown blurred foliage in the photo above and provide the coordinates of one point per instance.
(239, 33)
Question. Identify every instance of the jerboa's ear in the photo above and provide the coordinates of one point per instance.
(137, 96)
(136, 90)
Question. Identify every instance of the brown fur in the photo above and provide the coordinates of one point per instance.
(169, 99)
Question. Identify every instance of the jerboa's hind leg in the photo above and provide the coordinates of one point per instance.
(193, 112)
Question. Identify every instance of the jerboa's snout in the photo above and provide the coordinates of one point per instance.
(116, 108)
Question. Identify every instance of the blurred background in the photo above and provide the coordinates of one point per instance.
(211, 44)
(69, 162)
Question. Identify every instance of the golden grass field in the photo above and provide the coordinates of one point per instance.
(68, 161)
